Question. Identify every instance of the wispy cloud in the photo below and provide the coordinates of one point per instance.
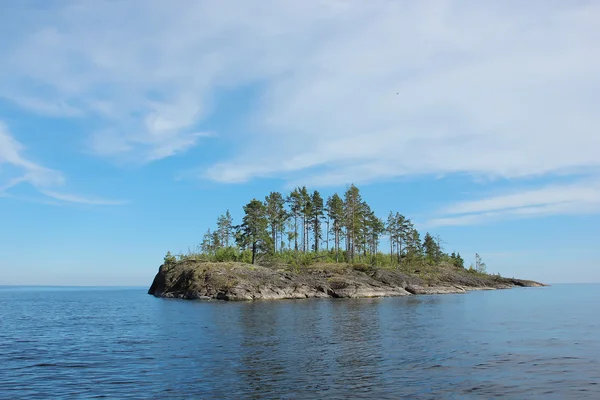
(564, 199)
(27, 171)
(49, 108)
(143, 147)
(348, 90)
(70, 198)
(22, 170)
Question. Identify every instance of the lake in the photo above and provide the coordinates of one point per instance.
(122, 343)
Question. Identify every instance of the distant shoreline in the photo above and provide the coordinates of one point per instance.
(233, 281)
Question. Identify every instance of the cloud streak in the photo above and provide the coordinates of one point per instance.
(70, 198)
(16, 169)
(567, 199)
(348, 91)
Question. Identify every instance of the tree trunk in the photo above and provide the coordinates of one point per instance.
(337, 242)
(307, 236)
(253, 252)
(327, 234)
(295, 232)
(316, 235)
(400, 252)
(348, 244)
(304, 234)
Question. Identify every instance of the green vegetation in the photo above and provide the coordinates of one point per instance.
(170, 259)
(302, 229)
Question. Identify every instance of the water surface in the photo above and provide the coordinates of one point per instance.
(120, 343)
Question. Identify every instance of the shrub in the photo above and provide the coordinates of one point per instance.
(169, 259)
(227, 254)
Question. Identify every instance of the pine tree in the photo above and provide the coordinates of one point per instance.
(440, 252)
(391, 231)
(207, 242)
(317, 212)
(295, 203)
(291, 234)
(403, 226)
(460, 263)
(352, 208)
(253, 231)
(306, 211)
(224, 229)
(276, 214)
(364, 231)
(335, 212)
(430, 247)
(399, 229)
(413, 244)
(216, 241)
(376, 228)
(328, 223)
(479, 264)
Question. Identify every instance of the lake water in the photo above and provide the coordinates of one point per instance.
(122, 343)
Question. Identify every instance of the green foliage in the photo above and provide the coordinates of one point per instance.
(252, 233)
(300, 230)
(335, 212)
(400, 233)
(169, 259)
(246, 257)
(431, 249)
(352, 219)
(295, 203)
(224, 229)
(316, 215)
(457, 260)
(207, 242)
(276, 216)
(227, 254)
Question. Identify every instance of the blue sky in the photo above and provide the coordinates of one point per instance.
(126, 128)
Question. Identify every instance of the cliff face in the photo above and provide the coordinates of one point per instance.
(237, 281)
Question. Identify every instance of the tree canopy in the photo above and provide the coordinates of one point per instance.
(301, 225)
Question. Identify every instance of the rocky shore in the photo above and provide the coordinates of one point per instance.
(237, 281)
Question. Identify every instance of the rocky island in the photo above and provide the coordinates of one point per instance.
(302, 246)
(190, 279)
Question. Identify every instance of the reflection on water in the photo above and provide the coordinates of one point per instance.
(533, 343)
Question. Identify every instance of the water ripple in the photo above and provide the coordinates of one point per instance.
(100, 343)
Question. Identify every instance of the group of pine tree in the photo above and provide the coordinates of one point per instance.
(302, 225)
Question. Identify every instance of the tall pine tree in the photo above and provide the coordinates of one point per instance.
(352, 219)
(253, 231)
(275, 212)
(294, 201)
(224, 228)
(335, 210)
(317, 213)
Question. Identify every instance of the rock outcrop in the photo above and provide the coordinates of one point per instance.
(237, 281)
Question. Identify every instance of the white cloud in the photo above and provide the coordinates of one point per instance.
(50, 108)
(27, 171)
(558, 199)
(70, 198)
(22, 170)
(350, 90)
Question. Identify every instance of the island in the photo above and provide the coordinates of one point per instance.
(299, 246)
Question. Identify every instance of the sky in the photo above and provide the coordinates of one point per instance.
(127, 127)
